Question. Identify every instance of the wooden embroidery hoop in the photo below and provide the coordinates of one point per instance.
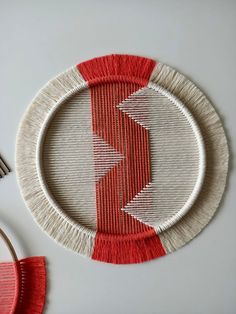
(9, 245)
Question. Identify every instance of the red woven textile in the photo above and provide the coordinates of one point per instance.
(111, 80)
(23, 286)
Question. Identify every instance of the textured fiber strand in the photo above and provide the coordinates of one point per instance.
(176, 165)
(62, 229)
(8, 288)
(23, 286)
(32, 285)
(64, 158)
(120, 250)
(109, 188)
(122, 66)
(217, 156)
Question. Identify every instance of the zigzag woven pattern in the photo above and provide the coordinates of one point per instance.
(119, 159)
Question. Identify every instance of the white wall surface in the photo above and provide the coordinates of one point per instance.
(39, 39)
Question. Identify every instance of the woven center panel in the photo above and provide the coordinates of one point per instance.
(120, 159)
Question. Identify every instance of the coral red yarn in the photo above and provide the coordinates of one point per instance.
(111, 80)
(23, 286)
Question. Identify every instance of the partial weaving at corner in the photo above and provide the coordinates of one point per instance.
(119, 159)
(23, 283)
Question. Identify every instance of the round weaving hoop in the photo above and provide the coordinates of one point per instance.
(175, 226)
(183, 110)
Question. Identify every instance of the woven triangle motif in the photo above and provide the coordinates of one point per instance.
(137, 109)
(105, 157)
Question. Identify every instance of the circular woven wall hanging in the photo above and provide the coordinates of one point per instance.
(121, 159)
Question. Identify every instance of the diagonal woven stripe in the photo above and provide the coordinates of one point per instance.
(139, 113)
(141, 207)
(174, 157)
(105, 157)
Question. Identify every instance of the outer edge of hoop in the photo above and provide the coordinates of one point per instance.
(202, 156)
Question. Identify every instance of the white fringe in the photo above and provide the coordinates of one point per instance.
(60, 227)
(217, 156)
